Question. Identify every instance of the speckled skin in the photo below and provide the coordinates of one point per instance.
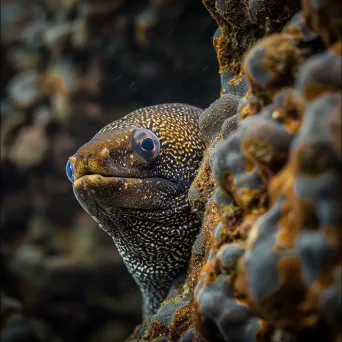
(143, 204)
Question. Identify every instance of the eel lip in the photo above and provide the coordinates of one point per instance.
(98, 177)
(135, 193)
(96, 181)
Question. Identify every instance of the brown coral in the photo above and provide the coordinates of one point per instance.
(324, 18)
(242, 23)
(278, 179)
(295, 249)
(271, 65)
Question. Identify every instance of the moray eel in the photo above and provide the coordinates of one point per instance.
(133, 177)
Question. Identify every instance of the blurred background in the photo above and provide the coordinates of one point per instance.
(67, 69)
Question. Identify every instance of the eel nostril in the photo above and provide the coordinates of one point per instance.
(70, 169)
(105, 153)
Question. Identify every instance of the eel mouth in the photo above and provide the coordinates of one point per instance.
(126, 192)
(95, 178)
(90, 174)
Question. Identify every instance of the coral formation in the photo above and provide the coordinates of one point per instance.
(324, 18)
(241, 24)
(267, 263)
(215, 304)
(295, 248)
(321, 73)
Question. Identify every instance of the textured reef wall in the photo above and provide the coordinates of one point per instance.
(267, 263)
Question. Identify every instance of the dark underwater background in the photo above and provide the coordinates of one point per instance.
(68, 68)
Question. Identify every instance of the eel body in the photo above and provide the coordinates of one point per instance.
(133, 177)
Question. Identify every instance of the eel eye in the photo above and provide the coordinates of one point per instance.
(146, 144)
(70, 171)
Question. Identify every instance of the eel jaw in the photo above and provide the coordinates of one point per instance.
(110, 192)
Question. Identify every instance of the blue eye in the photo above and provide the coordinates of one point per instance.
(146, 144)
(70, 170)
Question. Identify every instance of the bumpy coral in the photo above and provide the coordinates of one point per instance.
(271, 65)
(321, 73)
(310, 42)
(241, 24)
(278, 197)
(212, 119)
(215, 303)
(216, 122)
(257, 150)
(294, 251)
(231, 86)
(324, 18)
